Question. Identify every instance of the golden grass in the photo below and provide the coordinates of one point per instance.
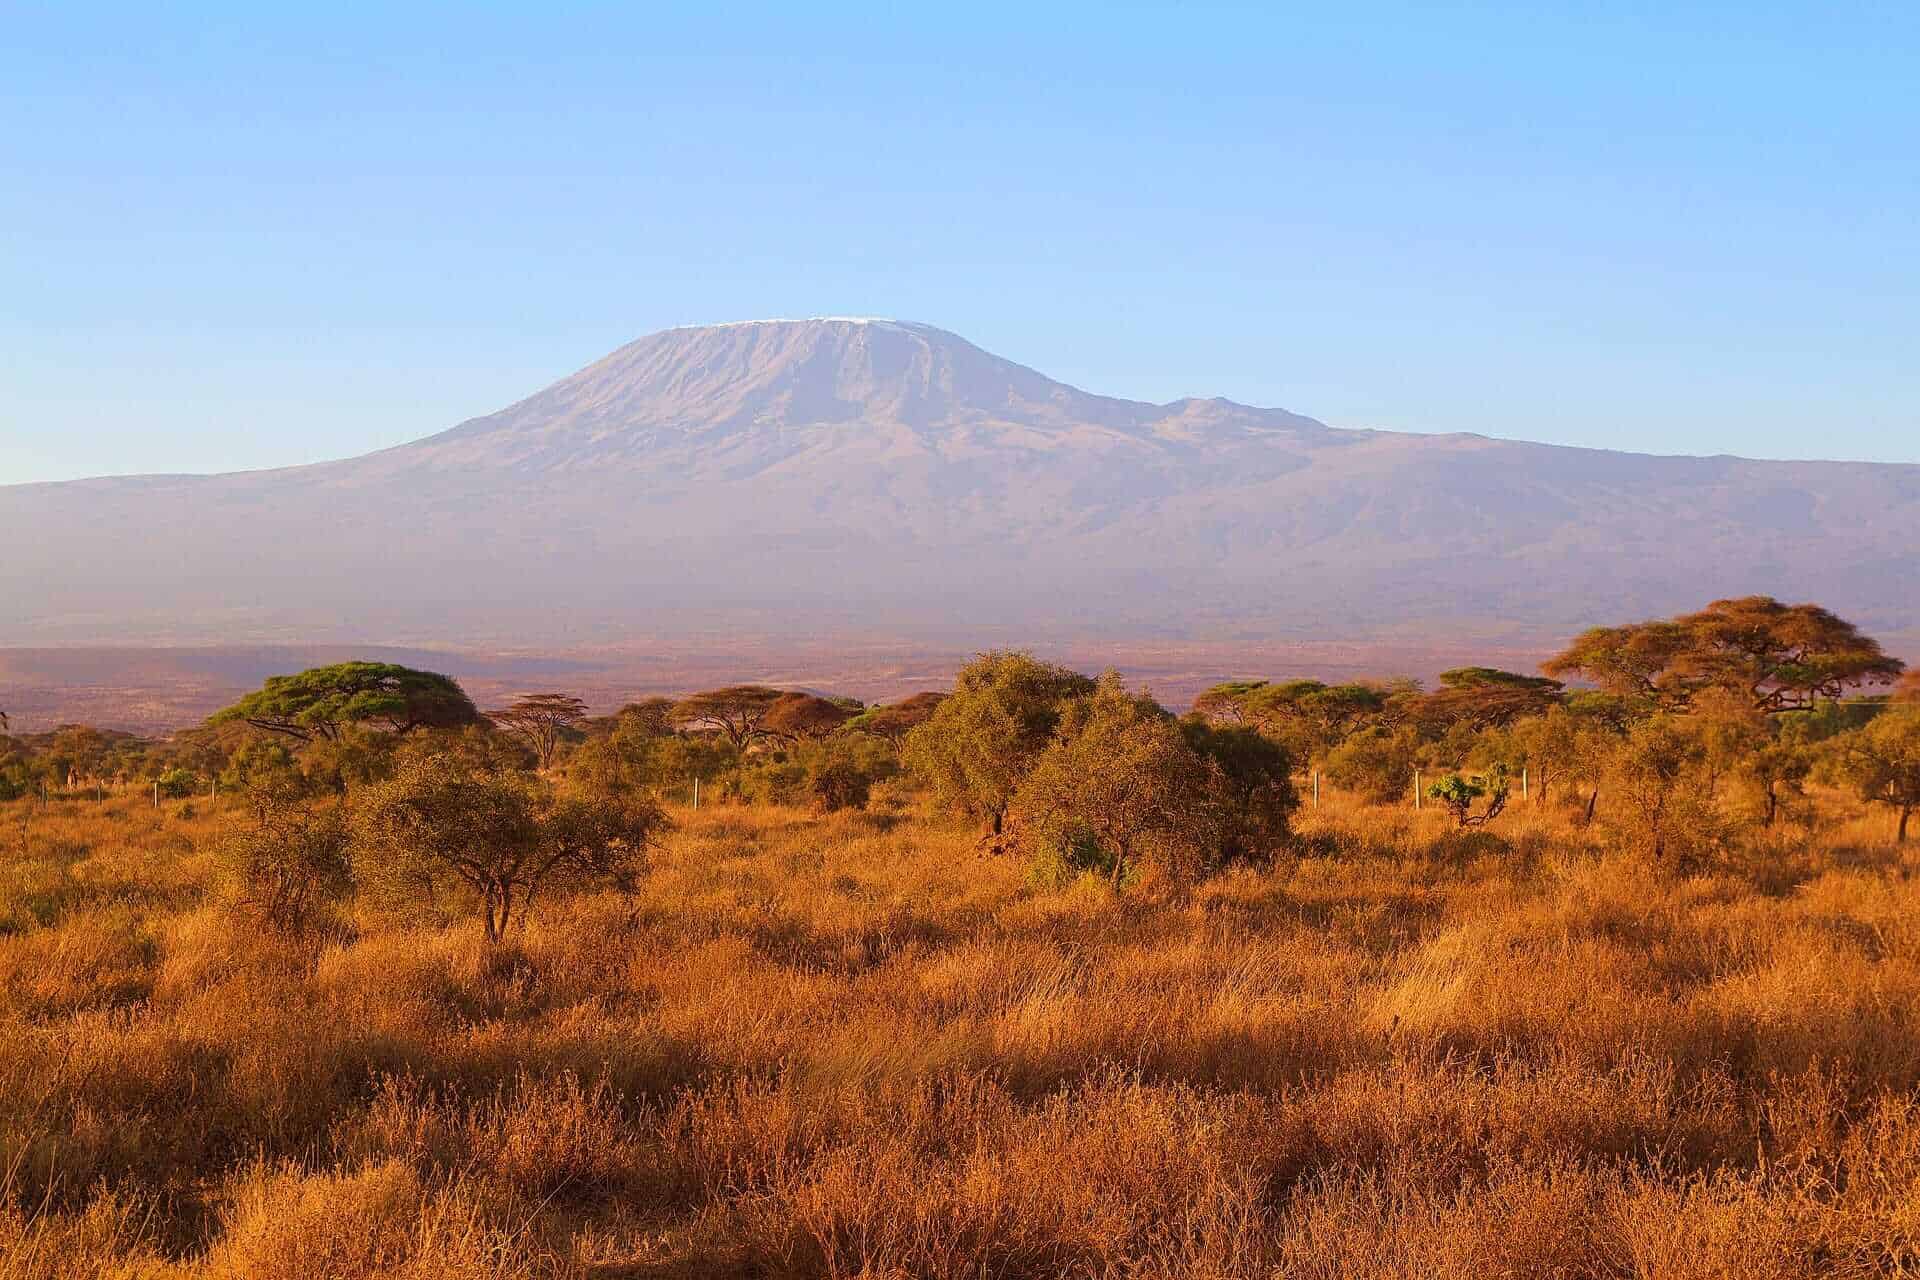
(848, 1046)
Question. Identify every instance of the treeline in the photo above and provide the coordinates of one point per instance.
(1675, 734)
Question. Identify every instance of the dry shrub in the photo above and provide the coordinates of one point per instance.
(849, 1046)
(379, 1220)
(108, 1239)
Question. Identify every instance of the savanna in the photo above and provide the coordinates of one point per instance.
(1611, 970)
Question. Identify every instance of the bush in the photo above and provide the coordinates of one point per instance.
(1377, 763)
(503, 837)
(289, 856)
(838, 785)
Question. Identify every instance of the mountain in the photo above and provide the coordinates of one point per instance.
(847, 476)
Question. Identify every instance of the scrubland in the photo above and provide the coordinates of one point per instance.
(850, 1045)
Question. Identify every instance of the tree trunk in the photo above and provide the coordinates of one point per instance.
(1773, 805)
(1906, 811)
(1592, 800)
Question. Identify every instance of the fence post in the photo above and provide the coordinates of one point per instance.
(1523, 782)
(1316, 788)
(696, 791)
(1416, 790)
(156, 794)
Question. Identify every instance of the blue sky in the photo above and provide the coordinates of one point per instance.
(234, 237)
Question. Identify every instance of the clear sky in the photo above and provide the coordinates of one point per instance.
(237, 236)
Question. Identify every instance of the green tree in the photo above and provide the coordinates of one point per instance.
(1250, 789)
(1121, 774)
(1457, 792)
(651, 716)
(1377, 763)
(976, 748)
(1550, 747)
(1776, 657)
(1307, 717)
(502, 837)
(633, 756)
(1778, 768)
(1882, 761)
(324, 702)
(893, 722)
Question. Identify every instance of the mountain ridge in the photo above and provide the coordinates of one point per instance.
(844, 473)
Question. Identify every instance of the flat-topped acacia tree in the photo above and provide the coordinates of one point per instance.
(1310, 717)
(735, 711)
(894, 721)
(794, 716)
(323, 702)
(1778, 657)
(539, 720)
(1484, 698)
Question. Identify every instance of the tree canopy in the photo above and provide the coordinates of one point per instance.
(1779, 657)
(895, 720)
(794, 716)
(978, 744)
(324, 701)
(1308, 716)
(1121, 781)
(540, 720)
(1485, 698)
(735, 711)
(1882, 761)
(501, 835)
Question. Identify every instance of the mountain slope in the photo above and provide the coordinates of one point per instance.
(829, 476)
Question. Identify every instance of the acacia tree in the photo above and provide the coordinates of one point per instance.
(977, 746)
(1120, 775)
(1560, 748)
(893, 722)
(735, 711)
(1882, 761)
(1484, 698)
(1650, 774)
(1777, 657)
(541, 720)
(502, 836)
(648, 717)
(1307, 716)
(323, 702)
(1458, 792)
(1250, 788)
(288, 855)
(795, 716)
